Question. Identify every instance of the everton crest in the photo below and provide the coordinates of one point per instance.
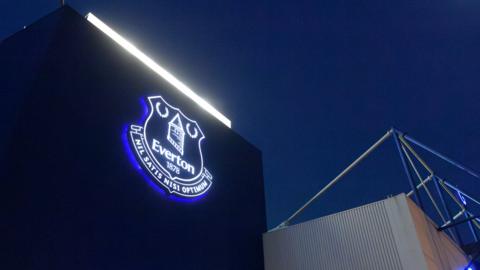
(168, 145)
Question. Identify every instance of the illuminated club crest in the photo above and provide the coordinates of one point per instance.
(168, 145)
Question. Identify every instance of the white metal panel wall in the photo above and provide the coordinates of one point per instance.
(359, 238)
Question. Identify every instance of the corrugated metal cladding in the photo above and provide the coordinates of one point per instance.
(380, 235)
(360, 237)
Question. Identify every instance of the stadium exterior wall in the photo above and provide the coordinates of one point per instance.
(389, 234)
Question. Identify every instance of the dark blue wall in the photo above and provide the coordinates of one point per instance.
(70, 196)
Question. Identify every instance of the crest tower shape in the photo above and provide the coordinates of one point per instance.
(176, 133)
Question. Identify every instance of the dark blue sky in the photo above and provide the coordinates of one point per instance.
(314, 83)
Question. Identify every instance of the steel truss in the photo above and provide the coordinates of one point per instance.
(445, 190)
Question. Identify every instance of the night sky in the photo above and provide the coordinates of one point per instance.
(315, 83)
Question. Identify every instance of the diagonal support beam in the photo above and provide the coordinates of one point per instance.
(424, 184)
(461, 191)
(445, 158)
(337, 178)
(396, 136)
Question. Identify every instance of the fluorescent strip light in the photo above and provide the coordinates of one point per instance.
(157, 69)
